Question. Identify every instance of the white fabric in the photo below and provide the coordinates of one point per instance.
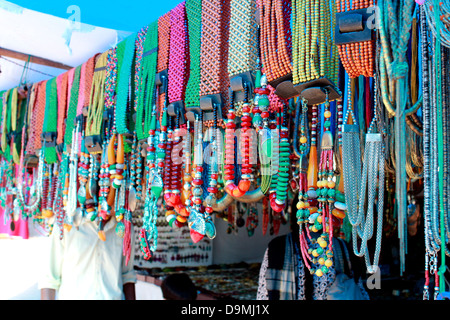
(83, 267)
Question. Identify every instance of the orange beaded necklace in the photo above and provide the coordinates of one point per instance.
(357, 57)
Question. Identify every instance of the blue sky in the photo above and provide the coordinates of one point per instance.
(124, 15)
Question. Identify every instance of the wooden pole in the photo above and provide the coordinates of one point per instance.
(33, 59)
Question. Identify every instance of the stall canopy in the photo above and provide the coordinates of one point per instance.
(41, 39)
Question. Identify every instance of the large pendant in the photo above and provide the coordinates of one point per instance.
(132, 199)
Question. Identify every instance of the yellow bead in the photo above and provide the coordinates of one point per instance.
(321, 261)
(327, 114)
(319, 219)
(314, 229)
(323, 244)
(303, 140)
(328, 263)
(315, 253)
(331, 184)
(319, 273)
(300, 205)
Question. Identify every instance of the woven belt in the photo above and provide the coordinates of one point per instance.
(178, 54)
(72, 107)
(49, 129)
(214, 80)
(96, 97)
(62, 82)
(243, 51)
(192, 97)
(145, 86)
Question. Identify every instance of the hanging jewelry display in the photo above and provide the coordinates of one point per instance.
(393, 63)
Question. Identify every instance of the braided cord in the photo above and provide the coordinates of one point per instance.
(275, 38)
(72, 109)
(178, 53)
(97, 100)
(194, 16)
(51, 118)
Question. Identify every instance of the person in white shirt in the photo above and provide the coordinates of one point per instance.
(83, 267)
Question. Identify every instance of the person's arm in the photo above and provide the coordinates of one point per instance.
(48, 294)
(129, 291)
(50, 278)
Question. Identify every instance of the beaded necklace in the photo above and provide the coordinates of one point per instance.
(123, 86)
(106, 192)
(178, 74)
(245, 182)
(393, 60)
(275, 38)
(357, 57)
(196, 221)
(148, 230)
(30, 208)
(278, 197)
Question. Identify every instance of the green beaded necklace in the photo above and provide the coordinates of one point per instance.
(123, 85)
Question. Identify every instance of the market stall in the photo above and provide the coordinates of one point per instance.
(250, 143)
